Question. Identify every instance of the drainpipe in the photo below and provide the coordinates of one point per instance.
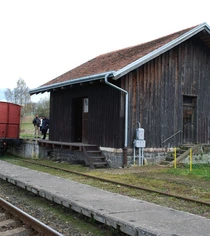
(125, 149)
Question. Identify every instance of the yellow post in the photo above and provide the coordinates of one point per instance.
(190, 159)
(175, 158)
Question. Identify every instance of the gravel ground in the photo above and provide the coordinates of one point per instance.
(47, 212)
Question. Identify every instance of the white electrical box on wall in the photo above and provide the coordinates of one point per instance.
(139, 134)
(140, 143)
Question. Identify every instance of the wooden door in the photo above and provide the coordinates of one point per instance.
(189, 119)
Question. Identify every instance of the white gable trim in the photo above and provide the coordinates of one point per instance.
(161, 50)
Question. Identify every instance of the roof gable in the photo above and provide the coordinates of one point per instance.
(164, 44)
(121, 62)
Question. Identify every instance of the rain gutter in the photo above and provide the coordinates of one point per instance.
(47, 88)
(126, 116)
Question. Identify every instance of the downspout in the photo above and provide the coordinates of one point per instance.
(125, 149)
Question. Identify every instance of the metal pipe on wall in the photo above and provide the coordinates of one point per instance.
(126, 116)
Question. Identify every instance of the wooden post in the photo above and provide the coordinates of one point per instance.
(175, 158)
(190, 159)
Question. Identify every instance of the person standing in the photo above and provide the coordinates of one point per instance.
(36, 122)
(45, 126)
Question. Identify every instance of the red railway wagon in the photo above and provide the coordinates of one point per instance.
(9, 121)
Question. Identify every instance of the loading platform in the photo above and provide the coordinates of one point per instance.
(63, 145)
(93, 156)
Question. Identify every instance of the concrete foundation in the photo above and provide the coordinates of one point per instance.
(152, 156)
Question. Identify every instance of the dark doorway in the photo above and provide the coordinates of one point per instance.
(85, 112)
(189, 119)
(80, 119)
(77, 119)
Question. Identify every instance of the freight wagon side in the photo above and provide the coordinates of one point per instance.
(9, 121)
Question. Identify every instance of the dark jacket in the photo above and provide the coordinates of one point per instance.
(36, 121)
(45, 123)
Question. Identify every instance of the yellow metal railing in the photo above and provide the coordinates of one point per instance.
(175, 159)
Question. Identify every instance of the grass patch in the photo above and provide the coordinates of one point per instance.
(201, 171)
(26, 130)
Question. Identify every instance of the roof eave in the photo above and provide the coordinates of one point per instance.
(134, 65)
(70, 82)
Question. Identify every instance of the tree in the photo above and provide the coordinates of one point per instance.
(43, 107)
(19, 95)
(9, 95)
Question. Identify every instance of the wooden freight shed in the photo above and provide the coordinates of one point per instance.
(163, 84)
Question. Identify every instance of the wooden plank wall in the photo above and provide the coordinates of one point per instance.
(156, 92)
(104, 122)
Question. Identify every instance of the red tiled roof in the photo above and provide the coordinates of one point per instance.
(115, 60)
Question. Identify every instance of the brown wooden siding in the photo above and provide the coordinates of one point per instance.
(156, 93)
(105, 126)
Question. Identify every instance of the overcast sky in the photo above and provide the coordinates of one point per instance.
(42, 39)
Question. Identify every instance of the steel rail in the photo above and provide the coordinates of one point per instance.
(29, 220)
(124, 184)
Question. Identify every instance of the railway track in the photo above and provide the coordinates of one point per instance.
(15, 222)
(124, 184)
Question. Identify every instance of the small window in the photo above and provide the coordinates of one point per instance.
(85, 105)
(189, 100)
